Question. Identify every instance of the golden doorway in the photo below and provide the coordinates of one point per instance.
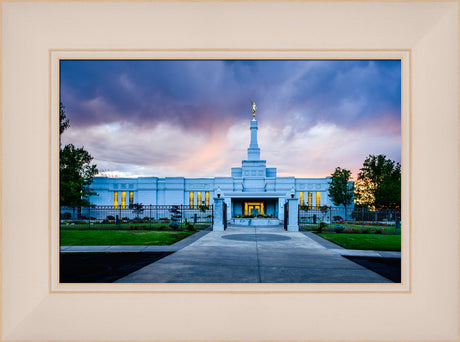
(253, 208)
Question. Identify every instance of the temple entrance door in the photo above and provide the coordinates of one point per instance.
(254, 208)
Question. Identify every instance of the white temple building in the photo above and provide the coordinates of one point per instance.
(252, 189)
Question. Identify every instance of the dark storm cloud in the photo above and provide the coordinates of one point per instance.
(171, 117)
(200, 94)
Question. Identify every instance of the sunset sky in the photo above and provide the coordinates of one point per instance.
(191, 118)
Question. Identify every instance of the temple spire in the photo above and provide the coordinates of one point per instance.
(253, 150)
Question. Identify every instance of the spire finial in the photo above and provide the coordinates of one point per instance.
(254, 107)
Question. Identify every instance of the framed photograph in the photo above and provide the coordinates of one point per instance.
(422, 35)
(166, 161)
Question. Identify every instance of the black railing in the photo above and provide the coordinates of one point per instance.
(144, 216)
(224, 215)
(335, 219)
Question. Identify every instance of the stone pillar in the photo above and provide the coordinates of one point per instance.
(218, 224)
(293, 220)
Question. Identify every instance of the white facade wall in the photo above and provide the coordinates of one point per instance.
(175, 190)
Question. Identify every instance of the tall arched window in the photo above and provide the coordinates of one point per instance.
(115, 199)
(310, 200)
(123, 199)
(191, 199)
(302, 198)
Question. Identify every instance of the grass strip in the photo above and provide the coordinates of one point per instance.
(119, 237)
(376, 242)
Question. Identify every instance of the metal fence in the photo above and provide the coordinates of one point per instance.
(146, 216)
(334, 219)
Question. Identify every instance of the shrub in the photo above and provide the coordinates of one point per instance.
(110, 217)
(131, 227)
(147, 218)
(365, 231)
(379, 231)
(66, 216)
(337, 218)
(125, 218)
(187, 224)
(322, 225)
(339, 228)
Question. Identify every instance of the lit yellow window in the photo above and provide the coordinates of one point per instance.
(310, 199)
(302, 198)
(206, 197)
(198, 198)
(318, 199)
(131, 198)
(115, 199)
(123, 199)
(191, 199)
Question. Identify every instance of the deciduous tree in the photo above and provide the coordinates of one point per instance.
(380, 183)
(76, 170)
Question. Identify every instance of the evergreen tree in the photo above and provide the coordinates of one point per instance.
(341, 189)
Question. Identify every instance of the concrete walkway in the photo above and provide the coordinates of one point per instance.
(254, 255)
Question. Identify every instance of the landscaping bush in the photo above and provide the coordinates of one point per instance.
(66, 216)
(110, 217)
(337, 218)
(322, 225)
(175, 217)
(339, 228)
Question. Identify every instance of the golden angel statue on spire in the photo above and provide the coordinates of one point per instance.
(254, 107)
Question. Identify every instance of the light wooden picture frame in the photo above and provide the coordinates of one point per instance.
(423, 34)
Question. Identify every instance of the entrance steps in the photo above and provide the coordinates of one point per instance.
(255, 221)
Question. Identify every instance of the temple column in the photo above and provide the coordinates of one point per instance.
(293, 219)
(218, 221)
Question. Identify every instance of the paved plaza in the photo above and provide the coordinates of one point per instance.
(256, 255)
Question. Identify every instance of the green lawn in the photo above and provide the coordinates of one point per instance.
(119, 237)
(355, 227)
(365, 241)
